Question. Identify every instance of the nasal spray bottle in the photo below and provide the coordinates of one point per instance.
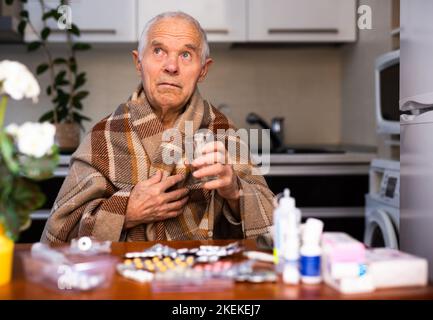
(311, 252)
(286, 238)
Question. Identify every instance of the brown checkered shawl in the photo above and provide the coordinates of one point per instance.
(125, 148)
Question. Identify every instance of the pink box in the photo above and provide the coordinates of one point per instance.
(340, 247)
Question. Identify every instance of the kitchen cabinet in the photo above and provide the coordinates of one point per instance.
(222, 20)
(98, 20)
(301, 21)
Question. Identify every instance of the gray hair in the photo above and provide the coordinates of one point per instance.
(142, 41)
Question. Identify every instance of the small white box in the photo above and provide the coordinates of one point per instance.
(392, 268)
(340, 270)
(360, 284)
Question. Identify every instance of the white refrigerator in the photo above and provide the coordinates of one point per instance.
(416, 153)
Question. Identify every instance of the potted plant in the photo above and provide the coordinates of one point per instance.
(27, 153)
(66, 80)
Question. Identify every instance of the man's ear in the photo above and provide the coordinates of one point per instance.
(205, 69)
(137, 62)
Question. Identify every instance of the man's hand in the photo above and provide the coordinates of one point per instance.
(149, 201)
(213, 162)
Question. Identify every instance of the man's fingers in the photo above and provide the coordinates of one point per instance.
(173, 214)
(216, 184)
(209, 158)
(176, 205)
(175, 195)
(212, 146)
(154, 179)
(167, 215)
(171, 181)
(212, 170)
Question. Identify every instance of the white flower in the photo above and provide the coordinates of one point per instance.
(12, 129)
(17, 81)
(35, 139)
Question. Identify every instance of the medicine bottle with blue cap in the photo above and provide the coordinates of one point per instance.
(311, 251)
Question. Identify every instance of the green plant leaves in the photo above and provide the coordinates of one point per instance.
(47, 116)
(10, 220)
(25, 198)
(45, 33)
(81, 46)
(59, 61)
(79, 119)
(19, 196)
(7, 153)
(74, 30)
(62, 98)
(81, 95)
(80, 80)
(77, 105)
(24, 14)
(32, 46)
(60, 79)
(73, 64)
(67, 80)
(22, 27)
(51, 13)
(60, 76)
(38, 168)
(42, 68)
(6, 179)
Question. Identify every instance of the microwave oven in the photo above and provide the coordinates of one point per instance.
(387, 86)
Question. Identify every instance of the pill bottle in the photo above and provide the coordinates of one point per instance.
(311, 251)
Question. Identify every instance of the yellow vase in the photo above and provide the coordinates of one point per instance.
(6, 257)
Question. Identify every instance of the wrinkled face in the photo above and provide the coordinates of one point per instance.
(171, 63)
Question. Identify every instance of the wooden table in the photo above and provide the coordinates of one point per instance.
(122, 288)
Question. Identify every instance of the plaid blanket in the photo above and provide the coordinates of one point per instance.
(126, 147)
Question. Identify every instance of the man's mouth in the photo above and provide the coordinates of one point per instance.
(170, 84)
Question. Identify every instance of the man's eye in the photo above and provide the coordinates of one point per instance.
(157, 50)
(186, 55)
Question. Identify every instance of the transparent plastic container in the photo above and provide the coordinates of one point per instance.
(77, 273)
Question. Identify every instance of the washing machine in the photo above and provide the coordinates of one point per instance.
(382, 207)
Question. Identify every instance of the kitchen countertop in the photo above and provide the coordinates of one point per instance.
(348, 163)
(344, 154)
(327, 158)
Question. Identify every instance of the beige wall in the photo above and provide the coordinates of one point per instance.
(358, 110)
(302, 84)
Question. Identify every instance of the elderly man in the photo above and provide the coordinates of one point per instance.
(120, 186)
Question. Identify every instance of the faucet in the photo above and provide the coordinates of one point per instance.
(276, 129)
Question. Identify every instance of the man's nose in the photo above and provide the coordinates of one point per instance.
(171, 65)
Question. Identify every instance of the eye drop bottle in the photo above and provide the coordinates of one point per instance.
(311, 251)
